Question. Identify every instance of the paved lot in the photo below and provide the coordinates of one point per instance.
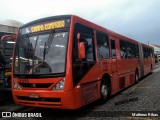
(142, 98)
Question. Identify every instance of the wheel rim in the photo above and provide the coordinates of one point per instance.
(104, 91)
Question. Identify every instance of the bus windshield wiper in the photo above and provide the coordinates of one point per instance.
(44, 51)
(47, 45)
(49, 42)
(46, 48)
(44, 55)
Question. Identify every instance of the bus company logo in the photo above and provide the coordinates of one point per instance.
(27, 30)
(34, 85)
(23, 80)
(20, 115)
(6, 114)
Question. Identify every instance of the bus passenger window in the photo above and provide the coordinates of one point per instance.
(103, 45)
(113, 49)
(137, 51)
(86, 36)
(123, 49)
(89, 49)
(129, 50)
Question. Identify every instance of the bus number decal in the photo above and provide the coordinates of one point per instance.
(23, 80)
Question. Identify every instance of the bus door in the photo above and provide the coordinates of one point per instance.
(84, 69)
(141, 60)
(114, 70)
(103, 52)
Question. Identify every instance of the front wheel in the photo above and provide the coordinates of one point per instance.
(104, 91)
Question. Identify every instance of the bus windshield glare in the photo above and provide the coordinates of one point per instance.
(43, 53)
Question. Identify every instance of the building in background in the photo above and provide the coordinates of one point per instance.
(9, 27)
(156, 52)
(8, 30)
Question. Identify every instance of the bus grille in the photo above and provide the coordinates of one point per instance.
(35, 85)
(39, 99)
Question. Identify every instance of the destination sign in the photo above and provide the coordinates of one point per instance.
(48, 26)
(45, 26)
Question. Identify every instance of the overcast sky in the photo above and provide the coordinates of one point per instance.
(137, 19)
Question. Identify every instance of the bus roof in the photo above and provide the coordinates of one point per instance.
(94, 26)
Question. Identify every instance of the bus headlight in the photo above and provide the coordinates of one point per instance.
(16, 86)
(59, 85)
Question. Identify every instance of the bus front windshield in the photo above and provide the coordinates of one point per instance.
(41, 53)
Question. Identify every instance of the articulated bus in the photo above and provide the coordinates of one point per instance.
(67, 62)
(6, 48)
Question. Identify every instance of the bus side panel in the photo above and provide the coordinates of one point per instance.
(147, 66)
(114, 67)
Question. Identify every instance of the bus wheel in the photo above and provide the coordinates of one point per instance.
(136, 77)
(104, 91)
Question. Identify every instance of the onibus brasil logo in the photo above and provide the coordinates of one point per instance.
(13, 114)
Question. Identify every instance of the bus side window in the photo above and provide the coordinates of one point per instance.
(123, 50)
(129, 51)
(113, 49)
(144, 52)
(137, 51)
(87, 36)
(133, 49)
(89, 49)
(89, 46)
(102, 45)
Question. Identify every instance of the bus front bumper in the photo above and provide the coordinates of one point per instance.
(45, 98)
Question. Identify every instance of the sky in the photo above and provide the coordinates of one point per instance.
(136, 19)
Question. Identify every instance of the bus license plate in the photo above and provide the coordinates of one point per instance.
(34, 96)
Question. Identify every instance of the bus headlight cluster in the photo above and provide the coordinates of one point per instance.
(16, 86)
(59, 85)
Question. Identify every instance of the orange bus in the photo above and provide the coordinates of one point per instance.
(7, 45)
(67, 62)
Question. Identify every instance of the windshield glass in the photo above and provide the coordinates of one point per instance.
(41, 54)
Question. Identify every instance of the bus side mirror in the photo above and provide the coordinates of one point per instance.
(81, 50)
(78, 36)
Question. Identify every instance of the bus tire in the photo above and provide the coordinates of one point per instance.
(104, 91)
(136, 76)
